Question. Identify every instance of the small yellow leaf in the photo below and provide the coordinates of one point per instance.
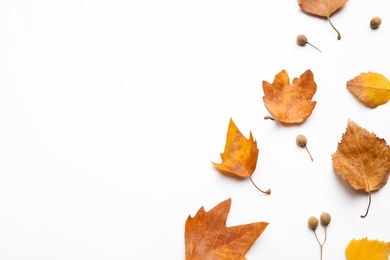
(365, 249)
(240, 154)
(372, 89)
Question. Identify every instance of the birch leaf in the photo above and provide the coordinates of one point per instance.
(362, 159)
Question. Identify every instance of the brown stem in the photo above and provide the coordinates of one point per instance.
(323, 242)
(338, 33)
(269, 117)
(369, 204)
(313, 46)
(326, 235)
(266, 192)
(309, 153)
(315, 233)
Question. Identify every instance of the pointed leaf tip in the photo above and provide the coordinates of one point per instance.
(208, 237)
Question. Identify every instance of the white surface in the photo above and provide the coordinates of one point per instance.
(112, 111)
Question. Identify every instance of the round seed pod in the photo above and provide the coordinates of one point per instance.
(325, 218)
(375, 22)
(301, 140)
(301, 39)
(313, 223)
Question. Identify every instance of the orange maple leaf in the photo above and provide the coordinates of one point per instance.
(323, 8)
(366, 249)
(240, 155)
(290, 103)
(362, 159)
(371, 88)
(207, 237)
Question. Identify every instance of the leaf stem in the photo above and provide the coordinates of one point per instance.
(338, 33)
(266, 192)
(369, 204)
(269, 117)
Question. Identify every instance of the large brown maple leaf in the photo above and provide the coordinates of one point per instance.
(208, 238)
(290, 103)
(362, 159)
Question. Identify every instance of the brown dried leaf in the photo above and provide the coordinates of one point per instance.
(362, 159)
(207, 237)
(324, 8)
(290, 103)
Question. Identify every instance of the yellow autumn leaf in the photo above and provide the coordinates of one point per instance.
(240, 155)
(366, 249)
(371, 88)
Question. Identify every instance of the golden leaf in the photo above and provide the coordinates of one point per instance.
(371, 88)
(207, 237)
(362, 159)
(365, 249)
(240, 155)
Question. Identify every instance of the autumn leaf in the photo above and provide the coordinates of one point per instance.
(365, 249)
(371, 88)
(240, 155)
(362, 159)
(323, 8)
(290, 103)
(207, 237)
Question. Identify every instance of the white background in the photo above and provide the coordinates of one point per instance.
(111, 113)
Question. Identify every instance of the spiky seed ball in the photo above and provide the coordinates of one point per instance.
(325, 218)
(313, 223)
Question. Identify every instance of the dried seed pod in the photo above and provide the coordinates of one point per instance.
(375, 22)
(313, 223)
(302, 40)
(325, 218)
(302, 142)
